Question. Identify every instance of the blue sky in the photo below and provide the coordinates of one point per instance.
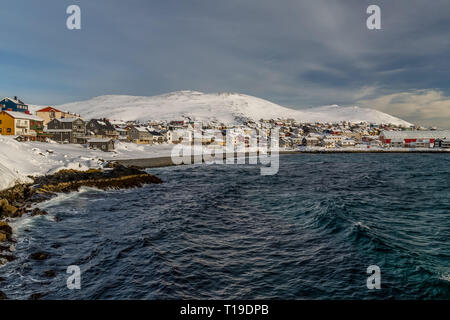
(298, 53)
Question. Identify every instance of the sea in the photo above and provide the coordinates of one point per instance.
(315, 230)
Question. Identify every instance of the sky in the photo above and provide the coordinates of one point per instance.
(297, 53)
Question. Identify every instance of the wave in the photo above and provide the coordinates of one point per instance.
(444, 277)
(63, 197)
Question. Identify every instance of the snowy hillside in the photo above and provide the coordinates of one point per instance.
(224, 107)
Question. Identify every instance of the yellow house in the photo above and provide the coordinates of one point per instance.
(17, 123)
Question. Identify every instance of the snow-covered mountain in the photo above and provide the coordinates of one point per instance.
(228, 108)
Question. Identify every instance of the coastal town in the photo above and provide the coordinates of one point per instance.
(65, 127)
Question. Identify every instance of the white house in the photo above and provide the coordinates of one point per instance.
(347, 143)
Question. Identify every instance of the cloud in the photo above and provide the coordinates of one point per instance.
(424, 107)
(294, 53)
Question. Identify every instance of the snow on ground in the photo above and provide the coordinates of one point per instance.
(228, 108)
(18, 160)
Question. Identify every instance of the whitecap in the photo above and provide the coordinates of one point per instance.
(362, 225)
(445, 277)
(21, 224)
(62, 197)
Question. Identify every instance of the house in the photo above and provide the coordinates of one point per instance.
(106, 145)
(410, 138)
(352, 135)
(442, 143)
(20, 124)
(15, 105)
(140, 135)
(182, 135)
(157, 136)
(310, 141)
(101, 128)
(67, 130)
(168, 135)
(123, 134)
(347, 143)
(396, 143)
(422, 143)
(50, 113)
(284, 143)
(37, 125)
(335, 138)
(329, 143)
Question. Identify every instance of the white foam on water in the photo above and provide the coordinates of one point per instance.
(362, 225)
(20, 224)
(62, 197)
(445, 277)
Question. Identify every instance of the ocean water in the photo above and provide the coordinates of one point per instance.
(226, 232)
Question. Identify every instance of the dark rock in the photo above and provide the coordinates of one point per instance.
(6, 209)
(50, 273)
(7, 257)
(36, 296)
(39, 256)
(5, 232)
(17, 200)
(57, 218)
(3, 296)
(38, 212)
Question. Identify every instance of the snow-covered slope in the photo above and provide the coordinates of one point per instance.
(18, 160)
(224, 107)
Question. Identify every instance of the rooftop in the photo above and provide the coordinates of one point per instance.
(432, 134)
(22, 115)
(49, 109)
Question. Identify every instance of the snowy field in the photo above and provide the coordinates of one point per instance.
(18, 160)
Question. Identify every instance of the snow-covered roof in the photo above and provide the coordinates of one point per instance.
(117, 122)
(22, 115)
(99, 140)
(67, 119)
(400, 135)
(58, 130)
(48, 109)
(141, 129)
(16, 101)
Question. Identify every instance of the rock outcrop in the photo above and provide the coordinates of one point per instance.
(3, 296)
(5, 232)
(18, 200)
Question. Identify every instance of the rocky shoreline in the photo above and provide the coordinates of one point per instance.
(19, 200)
